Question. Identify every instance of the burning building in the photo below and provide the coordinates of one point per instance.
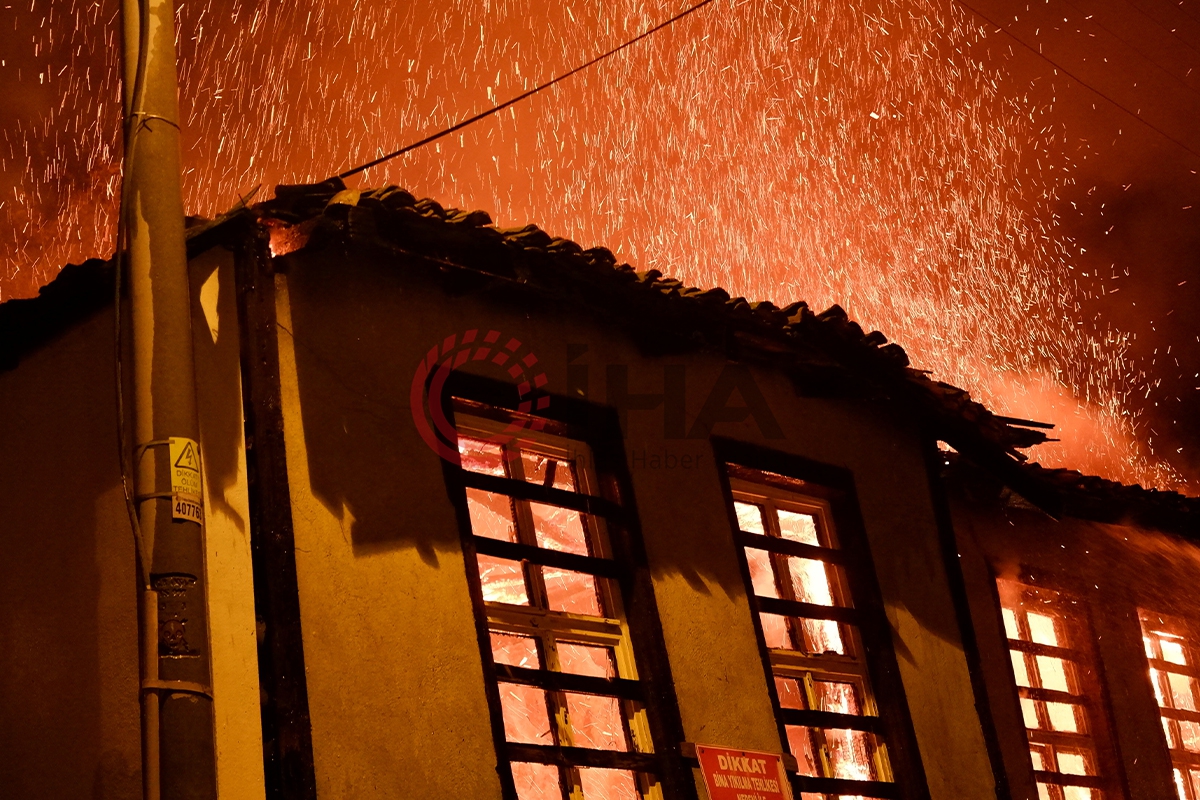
(491, 515)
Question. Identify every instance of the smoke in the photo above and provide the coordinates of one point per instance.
(865, 153)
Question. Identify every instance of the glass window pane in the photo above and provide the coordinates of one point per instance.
(1195, 779)
(1172, 651)
(1189, 734)
(1029, 713)
(1182, 695)
(480, 456)
(546, 471)
(1038, 757)
(1180, 789)
(536, 781)
(791, 695)
(1072, 763)
(517, 651)
(1078, 793)
(775, 632)
(608, 784)
(1169, 733)
(1156, 678)
(1062, 717)
(801, 744)
(1149, 644)
(798, 527)
(582, 659)
(749, 517)
(1041, 629)
(840, 698)
(573, 592)
(503, 581)
(596, 721)
(1043, 792)
(491, 515)
(822, 636)
(1053, 673)
(559, 529)
(1010, 624)
(526, 718)
(810, 581)
(1019, 670)
(849, 754)
(762, 576)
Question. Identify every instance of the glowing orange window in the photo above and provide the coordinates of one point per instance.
(1050, 649)
(1170, 649)
(573, 711)
(797, 574)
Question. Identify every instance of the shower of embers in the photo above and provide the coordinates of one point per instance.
(870, 153)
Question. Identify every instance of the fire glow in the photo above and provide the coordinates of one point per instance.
(863, 153)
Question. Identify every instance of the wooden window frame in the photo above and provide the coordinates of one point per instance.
(828, 492)
(625, 566)
(1187, 631)
(1084, 660)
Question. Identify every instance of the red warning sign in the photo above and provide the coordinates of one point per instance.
(731, 774)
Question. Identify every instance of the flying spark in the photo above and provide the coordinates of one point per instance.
(869, 153)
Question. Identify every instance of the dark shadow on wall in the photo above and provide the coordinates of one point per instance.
(359, 335)
(68, 623)
(218, 373)
(361, 325)
(357, 346)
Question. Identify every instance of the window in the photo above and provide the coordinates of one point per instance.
(1049, 644)
(797, 573)
(573, 718)
(1170, 649)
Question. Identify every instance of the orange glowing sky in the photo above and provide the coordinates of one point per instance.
(898, 158)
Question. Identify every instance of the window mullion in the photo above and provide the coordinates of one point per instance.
(794, 659)
(572, 619)
(573, 783)
(1035, 681)
(816, 736)
(533, 572)
(781, 571)
(564, 735)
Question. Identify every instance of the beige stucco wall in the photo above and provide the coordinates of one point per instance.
(387, 622)
(68, 622)
(69, 715)
(395, 682)
(236, 714)
(1111, 571)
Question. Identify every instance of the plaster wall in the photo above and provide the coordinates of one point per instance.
(69, 708)
(395, 682)
(1112, 570)
(69, 720)
(236, 714)
(389, 641)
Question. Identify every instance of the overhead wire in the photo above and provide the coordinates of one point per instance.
(1162, 25)
(1136, 115)
(539, 88)
(1179, 7)
(1135, 49)
(133, 125)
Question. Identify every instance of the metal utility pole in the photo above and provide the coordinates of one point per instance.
(179, 758)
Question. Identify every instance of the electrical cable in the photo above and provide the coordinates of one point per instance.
(520, 97)
(132, 126)
(1075, 78)
(1134, 48)
(1162, 25)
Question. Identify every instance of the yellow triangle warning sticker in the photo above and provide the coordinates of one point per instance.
(186, 477)
(188, 459)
